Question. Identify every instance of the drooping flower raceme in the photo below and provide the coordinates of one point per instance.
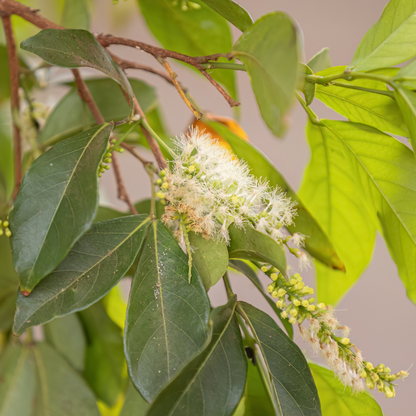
(210, 189)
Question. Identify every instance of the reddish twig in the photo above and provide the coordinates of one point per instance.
(122, 193)
(14, 100)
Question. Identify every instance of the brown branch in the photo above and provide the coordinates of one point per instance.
(173, 76)
(122, 193)
(126, 64)
(14, 100)
(160, 53)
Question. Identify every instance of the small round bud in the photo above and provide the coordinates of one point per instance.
(8, 233)
(165, 185)
(363, 374)
(99, 175)
(273, 276)
(345, 341)
(106, 167)
(270, 288)
(6, 224)
(264, 269)
(293, 281)
(293, 312)
(292, 320)
(279, 304)
(108, 155)
(159, 181)
(321, 305)
(369, 366)
(284, 314)
(275, 294)
(311, 300)
(108, 160)
(160, 195)
(281, 292)
(369, 383)
(310, 308)
(299, 285)
(1, 231)
(387, 369)
(296, 302)
(305, 303)
(311, 291)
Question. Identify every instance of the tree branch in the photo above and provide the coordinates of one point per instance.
(14, 100)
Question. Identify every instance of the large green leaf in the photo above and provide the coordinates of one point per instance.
(233, 12)
(333, 197)
(407, 103)
(317, 243)
(379, 111)
(384, 170)
(96, 263)
(391, 40)
(270, 50)
(291, 381)
(167, 317)
(67, 336)
(258, 401)
(407, 75)
(71, 115)
(210, 259)
(76, 15)
(249, 244)
(244, 268)
(213, 382)
(61, 390)
(193, 32)
(134, 403)
(73, 48)
(336, 399)
(104, 364)
(17, 381)
(320, 61)
(56, 204)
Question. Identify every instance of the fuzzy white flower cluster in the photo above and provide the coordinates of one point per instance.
(211, 189)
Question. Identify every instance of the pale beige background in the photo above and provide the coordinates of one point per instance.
(377, 309)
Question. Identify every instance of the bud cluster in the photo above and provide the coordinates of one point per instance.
(186, 5)
(105, 164)
(6, 230)
(326, 335)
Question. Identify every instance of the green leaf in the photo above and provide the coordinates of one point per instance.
(74, 48)
(317, 243)
(134, 403)
(291, 381)
(71, 115)
(384, 170)
(92, 268)
(308, 88)
(258, 401)
(270, 51)
(245, 269)
(249, 244)
(193, 32)
(406, 100)
(379, 111)
(61, 390)
(8, 286)
(6, 157)
(233, 12)
(330, 192)
(167, 317)
(210, 258)
(18, 381)
(104, 364)
(336, 399)
(67, 336)
(76, 15)
(320, 61)
(213, 382)
(391, 41)
(407, 75)
(56, 204)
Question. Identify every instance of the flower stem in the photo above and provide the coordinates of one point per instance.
(312, 116)
(188, 247)
(156, 137)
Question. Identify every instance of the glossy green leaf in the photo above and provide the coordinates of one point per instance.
(320, 61)
(317, 243)
(214, 381)
(167, 317)
(116, 306)
(233, 12)
(407, 75)
(336, 399)
(71, 115)
(245, 269)
(308, 88)
(249, 244)
(270, 51)
(406, 100)
(210, 259)
(92, 268)
(61, 390)
(193, 32)
(9, 284)
(291, 382)
(17, 381)
(67, 336)
(379, 111)
(391, 40)
(56, 204)
(134, 403)
(76, 15)
(104, 364)
(258, 401)
(330, 192)
(74, 48)
(384, 170)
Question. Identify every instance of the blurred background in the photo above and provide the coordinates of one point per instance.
(381, 316)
